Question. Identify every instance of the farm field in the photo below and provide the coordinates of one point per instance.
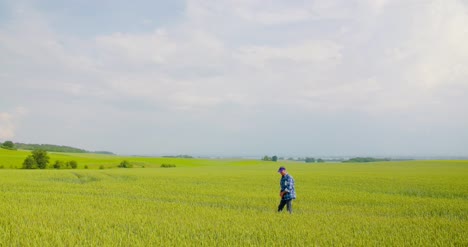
(231, 203)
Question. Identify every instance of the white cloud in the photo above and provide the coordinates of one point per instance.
(253, 57)
(269, 12)
(273, 12)
(36, 57)
(144, 48)
(191, 59)
(7, 128)
(377, 6)
(440, 45)
(9, 120)
(313, 51)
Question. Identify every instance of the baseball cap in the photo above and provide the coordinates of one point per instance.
(281, 169)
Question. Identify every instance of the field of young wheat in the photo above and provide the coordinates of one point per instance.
(232, 203)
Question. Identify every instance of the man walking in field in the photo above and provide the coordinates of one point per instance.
(287, 193)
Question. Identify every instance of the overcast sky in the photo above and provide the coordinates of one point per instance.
(237, 77)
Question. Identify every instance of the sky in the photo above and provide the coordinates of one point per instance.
(237, 77)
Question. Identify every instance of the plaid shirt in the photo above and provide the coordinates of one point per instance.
(287, 184)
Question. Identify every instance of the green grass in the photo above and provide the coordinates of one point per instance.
(232, 203)
(14, 159)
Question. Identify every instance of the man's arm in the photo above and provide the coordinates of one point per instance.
(283, 188)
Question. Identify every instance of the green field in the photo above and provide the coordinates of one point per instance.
(231, 203)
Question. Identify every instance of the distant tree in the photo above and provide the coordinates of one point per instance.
(58, 164)
(309, 160)
(274, 158)
(29, 163)
(125, 164)
(266, 158)
(8, 145)
(73, 164)
(41, 158)
(290, 158)
(168, 165)
(320, 160)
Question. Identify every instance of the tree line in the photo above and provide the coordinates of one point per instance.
(48, 147)
(268, 158)
(365, 159)
(8, 145)
(39, 159)
(306, 159)
(182, 156)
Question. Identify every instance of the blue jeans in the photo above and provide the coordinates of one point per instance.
(287, 203)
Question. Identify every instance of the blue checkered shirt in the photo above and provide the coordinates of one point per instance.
(287, 184)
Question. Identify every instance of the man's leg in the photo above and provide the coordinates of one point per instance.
(289, 206)
(281, 205)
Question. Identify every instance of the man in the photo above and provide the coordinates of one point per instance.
(287, 193)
